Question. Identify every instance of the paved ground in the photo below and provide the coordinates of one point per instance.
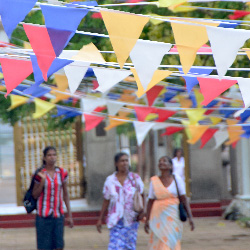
(210, 234)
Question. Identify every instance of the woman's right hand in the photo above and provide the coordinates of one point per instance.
(146, 227)
(42, 175)
(99, 226)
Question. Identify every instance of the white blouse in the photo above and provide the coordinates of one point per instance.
(171, 188)
(179, 167)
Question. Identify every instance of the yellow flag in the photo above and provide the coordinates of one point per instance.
(27, 45)
(167, 3)
(189, 38)
(42, 107)
(215, 120)
(186, 124)
(196, 133)
(155, 21)
(234, 132)
(89, 53)
(124, 31)
(180, 8)
(114, 123)
(199, 97)
(151, 117)
(2, 87)
(157, 77)
(195, 115)
(16, 101)
(184, 102)
(61, 82)
(59, 97)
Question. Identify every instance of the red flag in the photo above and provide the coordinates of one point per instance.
(163, 114)
(100, 109)
(171, 130)
(211, 88)
(207, 136)
(153, 93)
(14, 72)
(208, 112)
(238, 14)
(97, 15)
(143, 112)
(42, 46)
(95, 84)
(235, 144)
(91, 121)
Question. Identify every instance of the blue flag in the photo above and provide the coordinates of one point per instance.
(13, 12)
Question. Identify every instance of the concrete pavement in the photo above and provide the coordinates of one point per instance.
(210, 234)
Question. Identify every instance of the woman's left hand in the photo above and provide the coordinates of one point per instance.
(191, 223)
(70, 222)
(140, 216)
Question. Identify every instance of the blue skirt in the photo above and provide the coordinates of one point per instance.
(123, 238)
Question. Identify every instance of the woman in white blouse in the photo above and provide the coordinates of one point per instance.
(179, 163)
(118, 191)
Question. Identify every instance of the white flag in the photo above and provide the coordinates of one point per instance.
(108, 78)
(114, 107)
(75, 72)
(220, 137)
(225, 44)
(141, 130)
(90, 104)
(146, 57)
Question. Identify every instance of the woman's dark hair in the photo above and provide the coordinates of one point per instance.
(117, 158)
(176, 150)
(169, 160)
(45, 152)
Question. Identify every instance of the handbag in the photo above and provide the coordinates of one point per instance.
(137, 200)
(182, 210)
(29, 202)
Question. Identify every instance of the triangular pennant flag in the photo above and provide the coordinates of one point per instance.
(114, 107)
(42, 107)
(184, 102)
(89, 53)
(168, 3)
(191, 81)
(13, 12)
(220, 137)
(157, 77)
(17, 101)
(151, 117)
(244, 85)
(108, 78)
(163, 114)
(75, 72)
(189, 38)
(91, 121)
(153, 93)
(61, 82)
(41, 46)
(199, 98)
(124, 30)
(15, 71)
(186, 123)
(59, 39)
(196, 133)
(195, 115)
(207, 136)
(146, 57)
(172, 130)
(90, 104)
(62, 29)
(224, 55)
(215, 120)
(141, 130)
(57, 64)
(114, 123)
(211, 88)
(143, 112)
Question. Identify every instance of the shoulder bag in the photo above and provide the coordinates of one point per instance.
(182, 210)
(138, 200)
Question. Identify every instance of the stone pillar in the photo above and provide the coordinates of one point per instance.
(100, 148)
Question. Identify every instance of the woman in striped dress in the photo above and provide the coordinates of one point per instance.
(50, 190)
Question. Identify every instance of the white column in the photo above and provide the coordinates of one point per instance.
(245, 166)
